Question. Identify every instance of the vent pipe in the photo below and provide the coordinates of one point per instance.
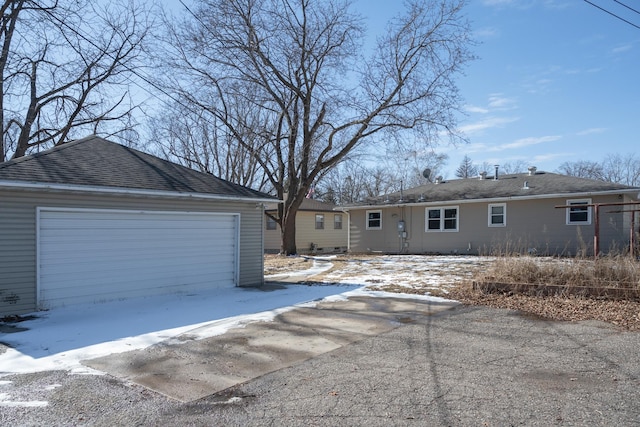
(439, 179)
(483, 175)
(532, 170)
(495, 176)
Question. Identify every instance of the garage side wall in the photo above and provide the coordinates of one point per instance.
(18, 230)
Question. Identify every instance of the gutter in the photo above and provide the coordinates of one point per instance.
(18, 185)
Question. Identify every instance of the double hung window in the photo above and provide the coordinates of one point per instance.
(442, 219)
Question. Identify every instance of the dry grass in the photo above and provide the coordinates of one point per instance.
(280, 264)
(606, 289)
(611, 272)
(622, 272)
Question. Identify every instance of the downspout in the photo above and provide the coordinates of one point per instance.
(261, 206)
(345, 211)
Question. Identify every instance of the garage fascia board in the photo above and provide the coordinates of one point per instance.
(18, 185)
(39, 209)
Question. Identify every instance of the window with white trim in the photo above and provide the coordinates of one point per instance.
(441, 219)
(374, 220)
(497, 215)
(319, 221)
(579, 213)
(337, 221)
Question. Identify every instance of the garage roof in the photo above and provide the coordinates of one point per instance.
(98, 163)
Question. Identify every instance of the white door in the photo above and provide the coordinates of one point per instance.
(100, 255)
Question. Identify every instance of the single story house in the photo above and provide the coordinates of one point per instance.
(92, 220)
(319, 228)
(535, 212)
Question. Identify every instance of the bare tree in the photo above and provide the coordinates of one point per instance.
(466, 169)
(65, 70)
(621, 169)
(299, 62)
(582, 169)
(200, 141)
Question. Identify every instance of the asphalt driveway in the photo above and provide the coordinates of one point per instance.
(430, 365)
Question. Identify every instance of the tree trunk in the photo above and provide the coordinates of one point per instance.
(289, 235)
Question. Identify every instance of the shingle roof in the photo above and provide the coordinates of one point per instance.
(97, 162)
(538, 184)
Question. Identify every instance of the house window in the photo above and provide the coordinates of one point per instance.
(442, 219)
(271, 223)
(374, 220)
(579, 212)
(498, 215)
(319, 221)
(337, 222)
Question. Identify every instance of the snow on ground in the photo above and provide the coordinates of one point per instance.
(60, 338)
(411, 271)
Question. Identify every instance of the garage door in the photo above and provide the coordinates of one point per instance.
(100, 255)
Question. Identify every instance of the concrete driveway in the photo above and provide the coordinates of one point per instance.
(358, 363)
(187, 369)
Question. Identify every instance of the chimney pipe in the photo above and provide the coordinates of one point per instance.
(495, 177)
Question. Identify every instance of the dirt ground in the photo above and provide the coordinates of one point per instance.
(623, 314)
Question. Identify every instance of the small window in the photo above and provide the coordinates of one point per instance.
(442, 219)
(319, 221)
(337, 222)
(271, 223)
(498, 215)
(579, 213)
(374, 220)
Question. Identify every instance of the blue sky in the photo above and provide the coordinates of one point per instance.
(555, 81)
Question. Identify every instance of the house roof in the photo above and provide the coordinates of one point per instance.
(311, 205)
(94, 162)
(524, 186)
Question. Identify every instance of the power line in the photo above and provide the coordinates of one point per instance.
(627, 6)
(613, 14)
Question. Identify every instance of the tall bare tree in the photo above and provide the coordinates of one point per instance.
(200, 141)
(618, 168)
(65, 70)
(300, 63)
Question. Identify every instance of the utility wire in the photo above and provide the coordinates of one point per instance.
(627, 6)
(613, 14)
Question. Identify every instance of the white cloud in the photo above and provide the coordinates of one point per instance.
(591, 131)
(488, 123)
(525, 142)
(621, 49)
(475, 109)
(499, 102)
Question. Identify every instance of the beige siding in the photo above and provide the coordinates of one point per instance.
(530, 225)
(328, 239)
(18, 236)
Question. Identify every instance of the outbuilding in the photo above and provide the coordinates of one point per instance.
(92, 220)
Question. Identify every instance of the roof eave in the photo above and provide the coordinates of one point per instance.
(23, 185)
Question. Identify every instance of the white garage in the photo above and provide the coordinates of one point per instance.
(95, 255)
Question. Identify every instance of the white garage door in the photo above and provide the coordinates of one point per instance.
(99, 255)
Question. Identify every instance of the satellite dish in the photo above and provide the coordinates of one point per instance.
(427, 173)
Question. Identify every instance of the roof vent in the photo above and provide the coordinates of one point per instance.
(532, 170)
(439, 179)
(483, 175)
(495, 176)
(526, 185)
